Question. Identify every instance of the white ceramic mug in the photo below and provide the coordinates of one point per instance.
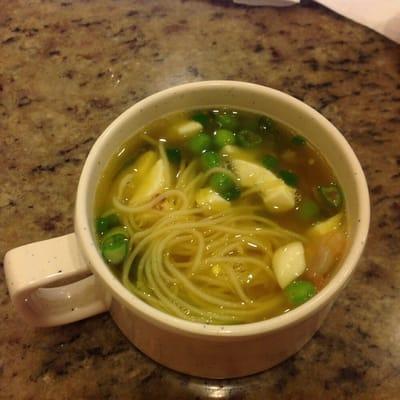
(65, 279)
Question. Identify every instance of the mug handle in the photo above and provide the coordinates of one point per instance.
(50, 283)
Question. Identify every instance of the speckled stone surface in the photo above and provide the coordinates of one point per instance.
(68, 68)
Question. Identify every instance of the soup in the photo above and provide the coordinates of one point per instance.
(220, 216)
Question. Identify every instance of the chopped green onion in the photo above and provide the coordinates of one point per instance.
(270, 162)
(227, 121)
(200, 143)
(298, 140)
(210, 159)
(290, 178)
(308, 210)
(105, 223)
(225, 186)
(267, 125)
(223, 137)
(331, 195)
(248, 139)
(120, 230)
(114, 249)
(298, 292)
(201, 118)
(174, 155)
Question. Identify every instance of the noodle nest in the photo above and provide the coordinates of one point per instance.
(208, 268)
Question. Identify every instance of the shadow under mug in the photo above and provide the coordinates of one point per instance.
(64, 279)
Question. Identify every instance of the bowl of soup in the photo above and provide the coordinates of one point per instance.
(220, 216)
(221, 220)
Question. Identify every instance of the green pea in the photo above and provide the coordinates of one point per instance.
(105, 223)
(270, 162)
(210, 159)
(225, 186)
(115, 248)
(298, 140)
(248, 139)
(298, 292)
(290, 178)
(331, 195)
(223, 137)
(308, 210)
(227, 121)
(174, 155)
(200, 143)
(201, 118)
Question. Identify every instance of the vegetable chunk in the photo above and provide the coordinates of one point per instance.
(288, 263)
(277, 196)
(211, 200)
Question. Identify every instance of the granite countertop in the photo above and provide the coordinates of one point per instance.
(68, 68)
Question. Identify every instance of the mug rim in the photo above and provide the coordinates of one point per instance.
(167, 321)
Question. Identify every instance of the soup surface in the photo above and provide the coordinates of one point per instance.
(220, 216)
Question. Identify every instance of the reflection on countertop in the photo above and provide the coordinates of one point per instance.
(68, 68)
